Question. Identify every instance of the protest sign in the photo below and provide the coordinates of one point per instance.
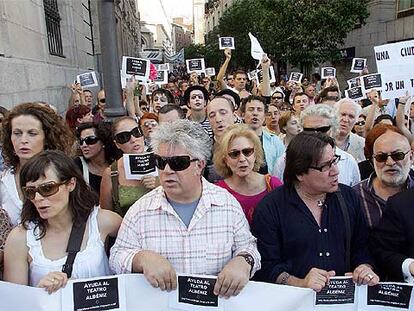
(226, 43)
(195, 293)
(139, 165)
(328, 72)
(162, 67)
(162, 77)
(251, 74)
(395, 62)
(137, 67)
(372, 82)
(354, 82)
(355, 93)
(210, 71)
(195, 65)
(256, 49)
(296, 77)
(340, 290)
(358, 64)
(259, 75)
(390, 295)
(87, 79)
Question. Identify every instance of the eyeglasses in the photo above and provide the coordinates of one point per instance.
(102, 100)
(335, 98)
(327, 166)
(235, 154)
(45, 190)
(277, 98)
(176, 163)
(322, 129)
(150, 123)
(396, 156)
(360, 123)
(124, 137)
(90, 140)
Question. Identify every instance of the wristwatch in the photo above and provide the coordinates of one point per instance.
(249, 259)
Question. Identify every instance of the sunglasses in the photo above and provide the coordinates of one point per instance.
(322, 129)
(277, 98)
(124, 137)
(45, 190)
(235, 154)
(327, 166)
(396, 156)
(360, 123)
(176, 163)
(150, 123)
(102, 100)
(90, 140)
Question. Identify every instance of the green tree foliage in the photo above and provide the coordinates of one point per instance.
(301, 32)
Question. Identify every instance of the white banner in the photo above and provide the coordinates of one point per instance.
(133, 292)
(395, 62)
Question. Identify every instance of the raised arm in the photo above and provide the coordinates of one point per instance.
(223, 69)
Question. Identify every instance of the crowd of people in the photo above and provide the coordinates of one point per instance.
(285, 183)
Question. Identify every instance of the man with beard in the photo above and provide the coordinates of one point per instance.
(196, 97)
(392, 158)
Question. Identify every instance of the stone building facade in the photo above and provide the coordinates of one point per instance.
(214, 10)
(44, 44)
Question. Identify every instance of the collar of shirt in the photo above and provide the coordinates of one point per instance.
(368, 184)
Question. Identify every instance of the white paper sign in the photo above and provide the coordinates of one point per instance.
(226, 43)
(162, 77)
(372, 82)
(87, 79)
(251, 74)
(256, 49)
(353, 82)
(139, 165)
(296, 76)
(163, 67)
(358, 64)
(356, 93)
(137, 67)
(210, 71)
(259, 75)
(195, 65)
(328, 72)
(395, 62)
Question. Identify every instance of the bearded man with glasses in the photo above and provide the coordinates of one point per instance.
(187, 225)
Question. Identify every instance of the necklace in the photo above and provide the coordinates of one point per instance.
(320, 201)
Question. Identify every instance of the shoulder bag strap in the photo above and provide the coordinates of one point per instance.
(116, 207)
(345, 215)
(85, 169)
(74, 245)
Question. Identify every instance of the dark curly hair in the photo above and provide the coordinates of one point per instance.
(104, 132)
(81, 200)
(58, 136)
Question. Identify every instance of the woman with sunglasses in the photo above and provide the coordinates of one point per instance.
(359, 127)
(98, 152)
(148, 123)
(57, 201)
(117, 192)
(28, 129)
(238, 158)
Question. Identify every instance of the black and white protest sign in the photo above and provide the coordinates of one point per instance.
(139, 165)
(358, 64)
(395, 295)
(372, 82)
(162, 67)
(87, 79)
(210, 71)
(296, 76)
(259, 75)
(195, 293)
(353, 82)
(162, 77)
(137, 67)
(340, 290)
(395, 63)
(102, 294)
(196, 64)
(328, 72)
(251, 74)
(226, 43)
(355, 93)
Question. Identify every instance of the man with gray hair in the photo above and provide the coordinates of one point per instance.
(187, 225)
(322, 118)
(348, 112)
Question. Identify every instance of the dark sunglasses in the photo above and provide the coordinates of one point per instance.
(176, 163)
(360, 123)
(90, 140)
(396, 156)
(322, 129)
(102, 100)
(328, 165)
(45, 190)
(235, 154)
(124, 137)
(277, 98)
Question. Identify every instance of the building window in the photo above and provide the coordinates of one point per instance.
(405, 8)
(54, 37)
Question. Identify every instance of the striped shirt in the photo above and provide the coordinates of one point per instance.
(217, 232)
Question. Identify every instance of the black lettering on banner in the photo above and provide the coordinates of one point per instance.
(372, 81)
(412, 82)
(96, 295)
(383, 55)
(388, 87)
(197, 291)
(135, 66)
(338, 291)
(142, 164)
(407, 51)
(389, 295)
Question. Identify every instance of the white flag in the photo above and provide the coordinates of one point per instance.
(256, 49)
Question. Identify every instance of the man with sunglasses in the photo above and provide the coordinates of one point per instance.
(392, 159)
(187, 225)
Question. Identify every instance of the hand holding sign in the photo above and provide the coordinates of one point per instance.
(150, 182)
(363, 275)
(53, 281)
(227, 54)
(317, 279)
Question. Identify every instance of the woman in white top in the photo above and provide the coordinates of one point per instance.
(56, 197)
(28, 129)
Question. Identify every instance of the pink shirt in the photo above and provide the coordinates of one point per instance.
(249, 202)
